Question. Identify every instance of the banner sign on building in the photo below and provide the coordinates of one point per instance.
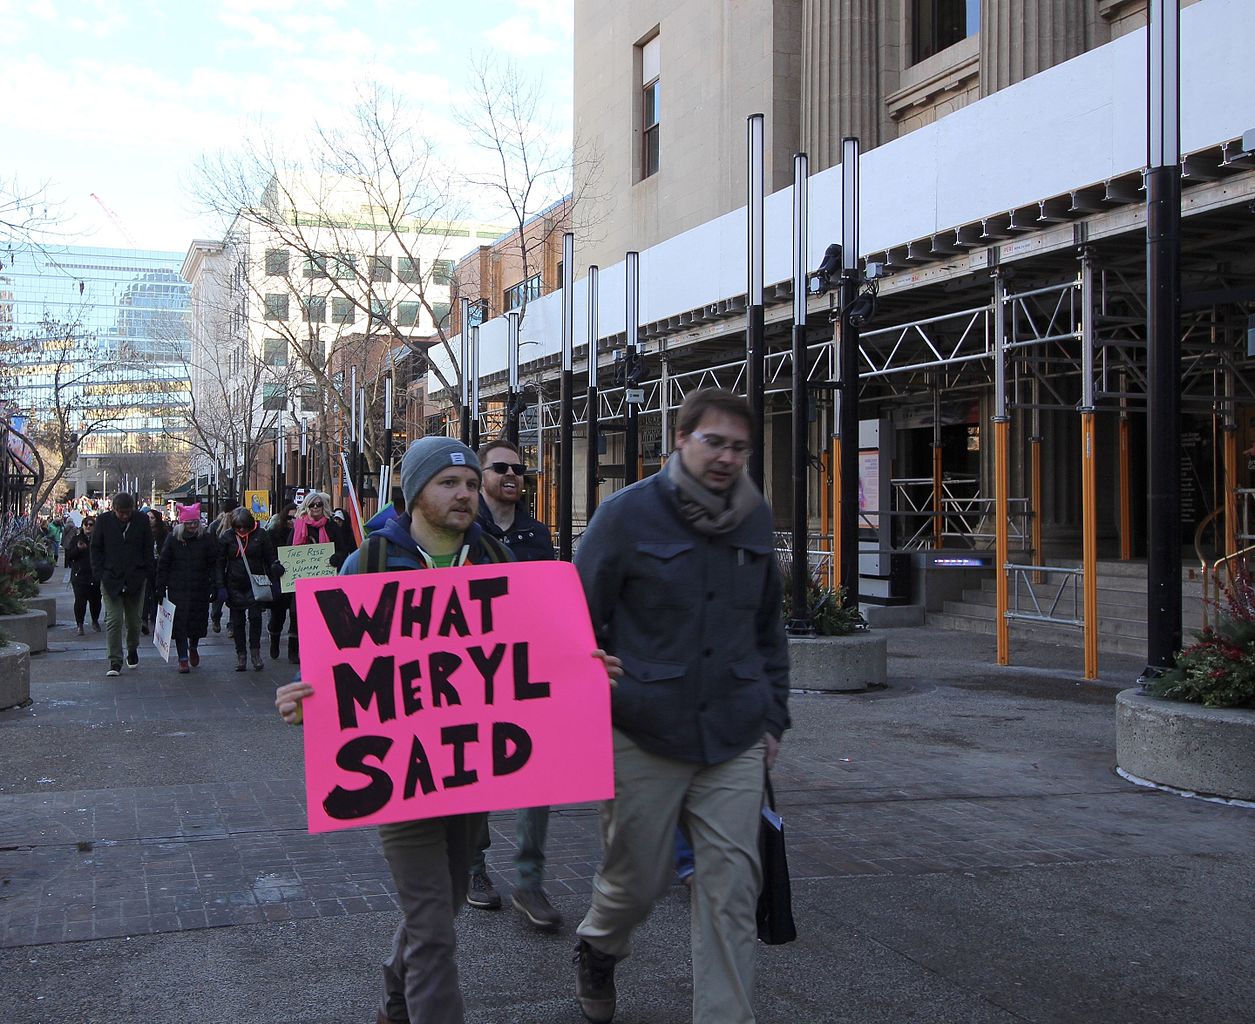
(303, 562)
(450, 691)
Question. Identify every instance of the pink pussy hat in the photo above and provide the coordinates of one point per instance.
(189, 513)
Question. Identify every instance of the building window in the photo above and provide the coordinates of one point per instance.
(344, 266)
(314, 309)
(442, 272)
(523, 292)
(315, 266)
(440, 313)
(407, 313)
(937, 24)
(274, 397)
(378, 308)
(381, 269)
(276, 307)
(274, 352)
(342, 311)
(309, 397)
(477, 313)
(277, 262)
(651, 95)
(407, 270)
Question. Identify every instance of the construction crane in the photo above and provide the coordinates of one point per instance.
(116, 223)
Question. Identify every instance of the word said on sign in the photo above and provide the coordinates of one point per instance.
(450, 691)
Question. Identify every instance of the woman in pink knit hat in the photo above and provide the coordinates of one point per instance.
(187, 573)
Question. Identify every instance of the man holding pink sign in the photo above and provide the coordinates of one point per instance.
(431, 697)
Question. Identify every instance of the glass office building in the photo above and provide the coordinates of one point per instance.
(100, 337)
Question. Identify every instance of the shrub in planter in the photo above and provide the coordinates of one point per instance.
(828, 611)
(1218, 669)
(17, 583)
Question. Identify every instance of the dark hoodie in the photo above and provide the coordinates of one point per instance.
(403, 552)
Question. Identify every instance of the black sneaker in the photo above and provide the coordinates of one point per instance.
(274, 646)
(534, 905)
(132, 658)
(594, 983)
(481, 893)
(115, 668)
(217, 624)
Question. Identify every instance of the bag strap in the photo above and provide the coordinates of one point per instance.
(374, 554)
(771, 794)
(497, 552)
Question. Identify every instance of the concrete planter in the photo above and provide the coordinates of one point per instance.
(30, 628)
(838, 663)
(47, 605)
(1186, 746)
(15, 675)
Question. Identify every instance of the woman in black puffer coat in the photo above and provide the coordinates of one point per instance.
(242, 550)
(187, 573)
(86, 589)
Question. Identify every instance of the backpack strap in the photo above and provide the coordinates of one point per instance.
(373, 556)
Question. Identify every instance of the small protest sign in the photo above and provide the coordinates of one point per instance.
(304, 561)
(258, 502)
(163, 628)
(450, 691)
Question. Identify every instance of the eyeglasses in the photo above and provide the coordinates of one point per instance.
(314, 504)
(505, 467)
(719, 443)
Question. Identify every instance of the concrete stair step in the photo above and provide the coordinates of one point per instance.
(1060, 635)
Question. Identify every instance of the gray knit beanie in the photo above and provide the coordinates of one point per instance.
(428, 456)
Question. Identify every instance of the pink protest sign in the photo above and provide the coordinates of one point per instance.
(448, 691)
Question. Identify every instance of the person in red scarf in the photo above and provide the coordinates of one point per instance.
(312, 524)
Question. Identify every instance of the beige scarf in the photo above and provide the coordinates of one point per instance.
(707, 512)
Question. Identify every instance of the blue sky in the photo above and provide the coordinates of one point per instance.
(121, 97)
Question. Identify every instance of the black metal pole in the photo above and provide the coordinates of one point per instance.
(799, 623)
(514, 397)
(591, 462)
(1163, 289)
(631, 426)
(754, 330)
(566, 466)
(473, 434)
(851, 279)
(464, 409)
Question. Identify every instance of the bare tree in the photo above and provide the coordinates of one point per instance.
(348, 249)
(530, 166)
(26, 217)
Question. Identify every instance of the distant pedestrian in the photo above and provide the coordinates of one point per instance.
(216, 529)
(245, 551)
(86, 589)
(161, 530)
(122, 561)
(187, 573)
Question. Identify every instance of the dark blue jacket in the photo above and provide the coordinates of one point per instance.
(696, 620)
(403, 552)
(528, 538)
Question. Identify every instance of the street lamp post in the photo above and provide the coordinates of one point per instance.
(473, 435)
(754, 330)
(631, 408)
(594, 331)
(514, 398)
(800, 622)
(464, 373)
(847, 394)
(1163, 289)
(566, 467)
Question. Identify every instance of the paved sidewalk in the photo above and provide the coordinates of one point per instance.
(960, 846)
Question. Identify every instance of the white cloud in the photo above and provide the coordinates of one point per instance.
(524, 36)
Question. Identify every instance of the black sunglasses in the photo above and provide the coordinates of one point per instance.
(314, 504)
(505, 467)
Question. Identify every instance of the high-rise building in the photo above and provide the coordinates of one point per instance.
(94, 343)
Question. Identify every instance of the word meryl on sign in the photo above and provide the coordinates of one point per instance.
(386, 681)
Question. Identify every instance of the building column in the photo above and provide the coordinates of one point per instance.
(840, 77)
(1019, 38)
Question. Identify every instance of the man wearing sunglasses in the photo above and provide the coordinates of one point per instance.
(682, 585)
(502, 516)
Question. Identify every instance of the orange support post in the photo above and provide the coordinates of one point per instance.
(938, 522)
(1089, 542)
(1002, 485)
(1230, 491)
(1126, 494)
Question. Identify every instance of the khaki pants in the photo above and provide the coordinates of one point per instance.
(719, 807)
